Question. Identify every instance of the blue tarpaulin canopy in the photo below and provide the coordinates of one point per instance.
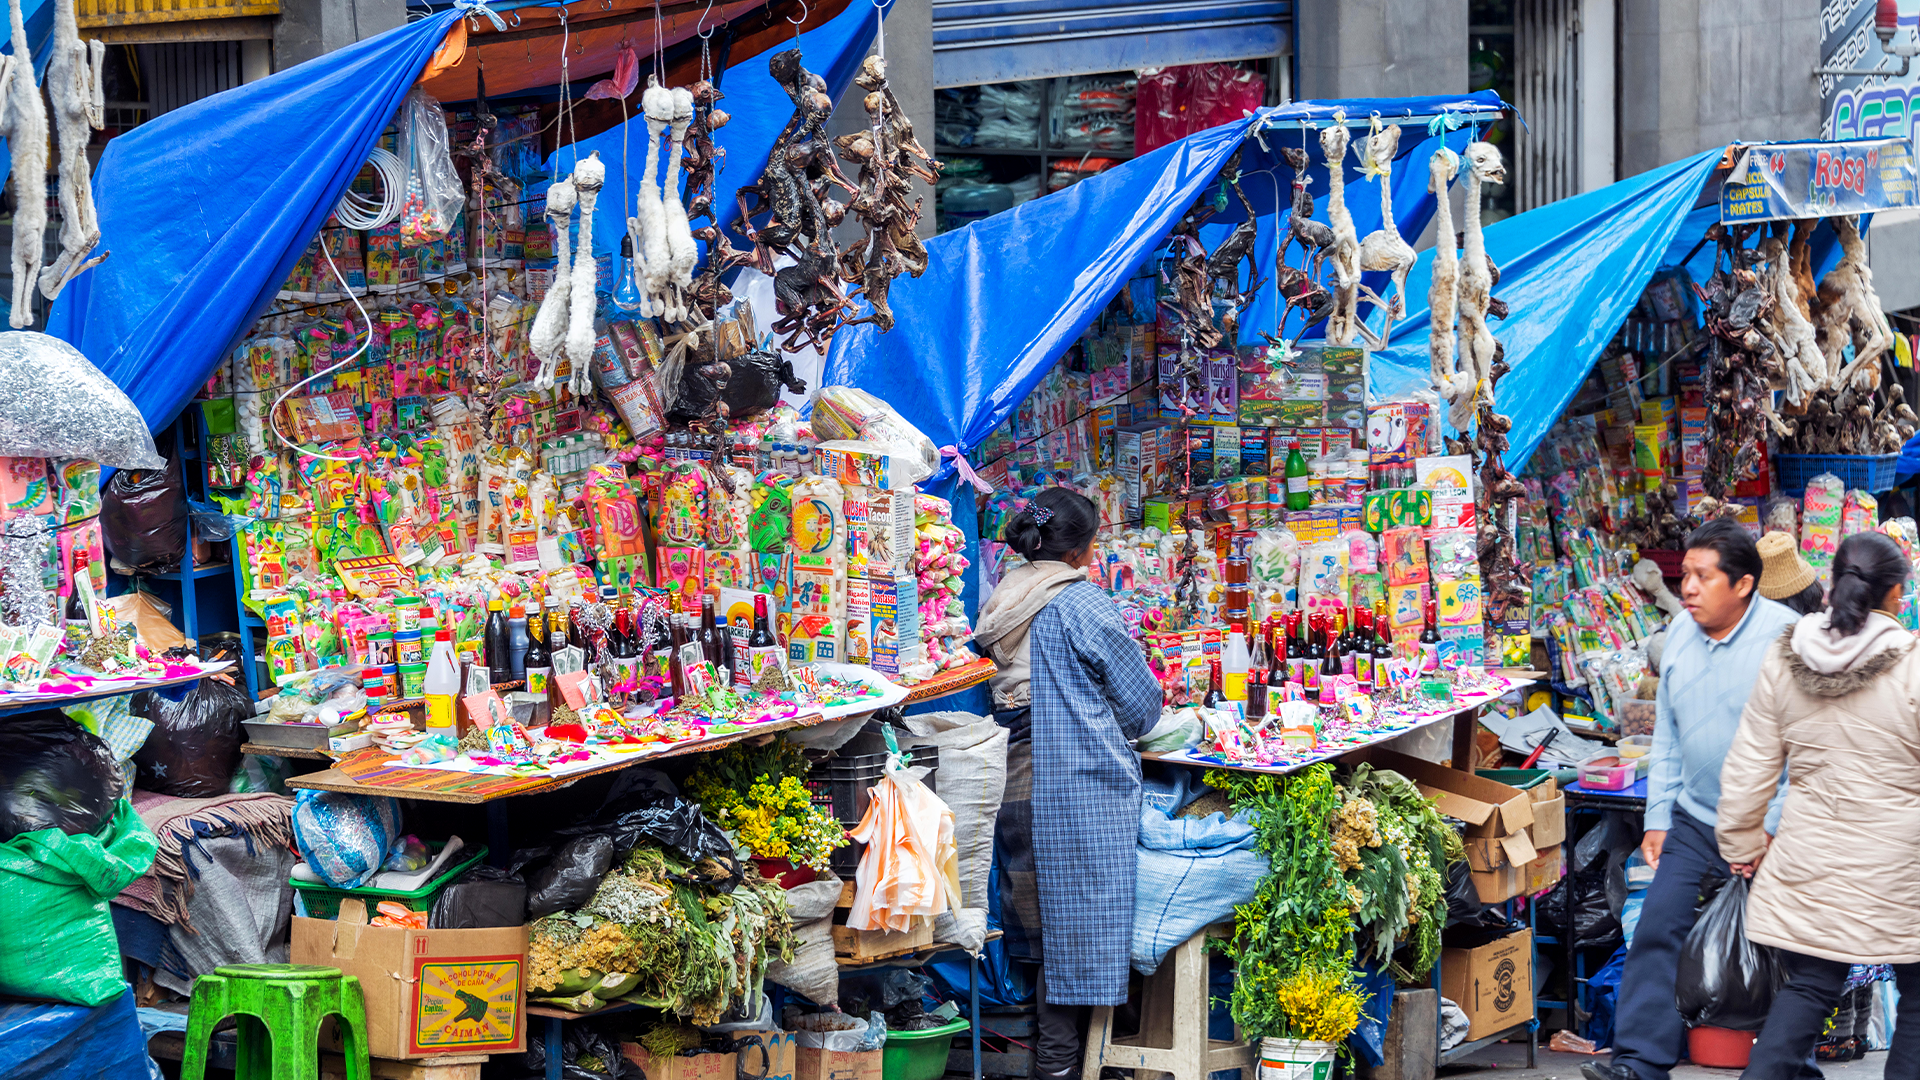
(1003, 298)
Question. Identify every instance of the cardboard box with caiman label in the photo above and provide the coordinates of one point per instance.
(427, 991)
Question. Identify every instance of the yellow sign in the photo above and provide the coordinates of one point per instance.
(470, 1004)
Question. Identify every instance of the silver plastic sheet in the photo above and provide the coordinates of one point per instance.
(55, 404)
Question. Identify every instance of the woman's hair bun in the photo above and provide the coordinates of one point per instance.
(1023, 535)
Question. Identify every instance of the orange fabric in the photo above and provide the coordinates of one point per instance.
(911, 868)
(452, 50)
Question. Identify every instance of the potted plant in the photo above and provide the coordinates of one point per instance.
(759, 795)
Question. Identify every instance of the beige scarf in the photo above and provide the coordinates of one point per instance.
(1007, 616)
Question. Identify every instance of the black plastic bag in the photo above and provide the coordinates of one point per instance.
(570, 878)
(644, 805)
(1724, 980)
(585, 1054)
(143, 518)
(1470, 923)
(195, 744)
(54, 774)
(483, 897)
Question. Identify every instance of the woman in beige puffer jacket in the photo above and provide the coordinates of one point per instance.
(1836, 706)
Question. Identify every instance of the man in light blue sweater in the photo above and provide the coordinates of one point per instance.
(1710, 663)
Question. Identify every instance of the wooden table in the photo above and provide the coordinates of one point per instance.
(14, 701)
(399, 781)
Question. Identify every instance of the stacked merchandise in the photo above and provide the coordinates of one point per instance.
(1001, 115)
(1175, 102)
(1092, 112)
(422, 506)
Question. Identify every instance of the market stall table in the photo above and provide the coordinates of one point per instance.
(105, 688)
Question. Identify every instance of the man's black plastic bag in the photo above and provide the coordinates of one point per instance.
(195, 744)
(1724, 980)
(644, 805)
(570, 878)
(54, 774)
(483, 897)
(143, 518)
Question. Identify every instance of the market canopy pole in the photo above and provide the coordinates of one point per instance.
(207, 208)
(1003, 298)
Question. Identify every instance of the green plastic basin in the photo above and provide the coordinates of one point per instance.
(919, 1055)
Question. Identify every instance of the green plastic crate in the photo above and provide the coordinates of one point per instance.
(323, 901)
(919, 1055)
(1517, 778)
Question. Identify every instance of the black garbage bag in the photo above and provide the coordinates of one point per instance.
(585, 1054)
(143, 518)
(1724, 980)
(569, 879)
(485, 896)
(1470, 923)
(644, 805)
(54, 774)
(195, 744)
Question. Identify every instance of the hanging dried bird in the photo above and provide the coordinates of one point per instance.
(1455, 386)
(1383, 250)
(23, 123)
(79, 109)
(1476, 279)
(648, 226)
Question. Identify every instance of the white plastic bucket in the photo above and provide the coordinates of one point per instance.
(1296, 1059)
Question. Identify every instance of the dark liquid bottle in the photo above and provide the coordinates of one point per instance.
(1430, 641)
(1216, 690)
(539, 666)
(662, 647)
(499, 662)
(1336, 652)
(709, 634)
(1382, 649)
(1363, 648)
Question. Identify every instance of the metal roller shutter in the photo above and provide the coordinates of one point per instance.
(986, 41)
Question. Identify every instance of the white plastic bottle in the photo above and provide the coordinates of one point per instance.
(443, 683)
(1235, 661)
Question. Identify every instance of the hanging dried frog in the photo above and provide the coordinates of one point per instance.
(1223, 266)
(703, 158)
(787, 186)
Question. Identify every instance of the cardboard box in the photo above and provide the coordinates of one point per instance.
(1493, 983)
(697, 1067)
(812, 1063)
(765, 1053)
(1545, 871)
(1549, 814)
(1499, 848)
(428, 992)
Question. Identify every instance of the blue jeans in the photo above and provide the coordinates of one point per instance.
(1649, 1036)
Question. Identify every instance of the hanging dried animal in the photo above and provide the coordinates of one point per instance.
(1343, 323)
(809, 299)
(702, 156)
(1476, 278)
(1455, 386)
(23, 123)
(681, 253)
(1741, 364)
(653, 257)
(1383, 250)
(589, 175)
(79, 109)
(785, 188)
(1223, 266)
(1850, 311)
(548, 338)
(1315, 237)
(1192, 285)
(887, 155)
(1802, 365)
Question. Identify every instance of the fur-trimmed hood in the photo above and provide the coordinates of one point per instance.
(1826, 664)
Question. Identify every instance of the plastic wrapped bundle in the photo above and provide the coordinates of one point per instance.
(55, 404)
(846, 412)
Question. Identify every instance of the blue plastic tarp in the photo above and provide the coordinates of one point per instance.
(759, 109)
(207, 208)
(1004, 297)
(59, 1042)
(1570, 273)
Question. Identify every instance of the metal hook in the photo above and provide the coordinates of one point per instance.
(804, 12)
(702, 21)
(515, 13)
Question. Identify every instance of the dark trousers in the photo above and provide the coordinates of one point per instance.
(1059, 1046)
(1648, 1035)
(1801, 1008)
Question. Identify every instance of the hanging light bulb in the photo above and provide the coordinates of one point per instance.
(626, 294)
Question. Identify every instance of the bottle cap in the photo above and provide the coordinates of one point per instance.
(1294, 445)
(516, 612)
(443, 634)
(495, 605)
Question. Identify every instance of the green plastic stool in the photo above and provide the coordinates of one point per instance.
(280, 1008)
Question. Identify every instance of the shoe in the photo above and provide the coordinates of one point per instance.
(1598, 1070)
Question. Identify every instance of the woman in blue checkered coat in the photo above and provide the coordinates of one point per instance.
(1075, 691)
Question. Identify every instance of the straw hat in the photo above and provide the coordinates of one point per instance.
(1782, 571)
